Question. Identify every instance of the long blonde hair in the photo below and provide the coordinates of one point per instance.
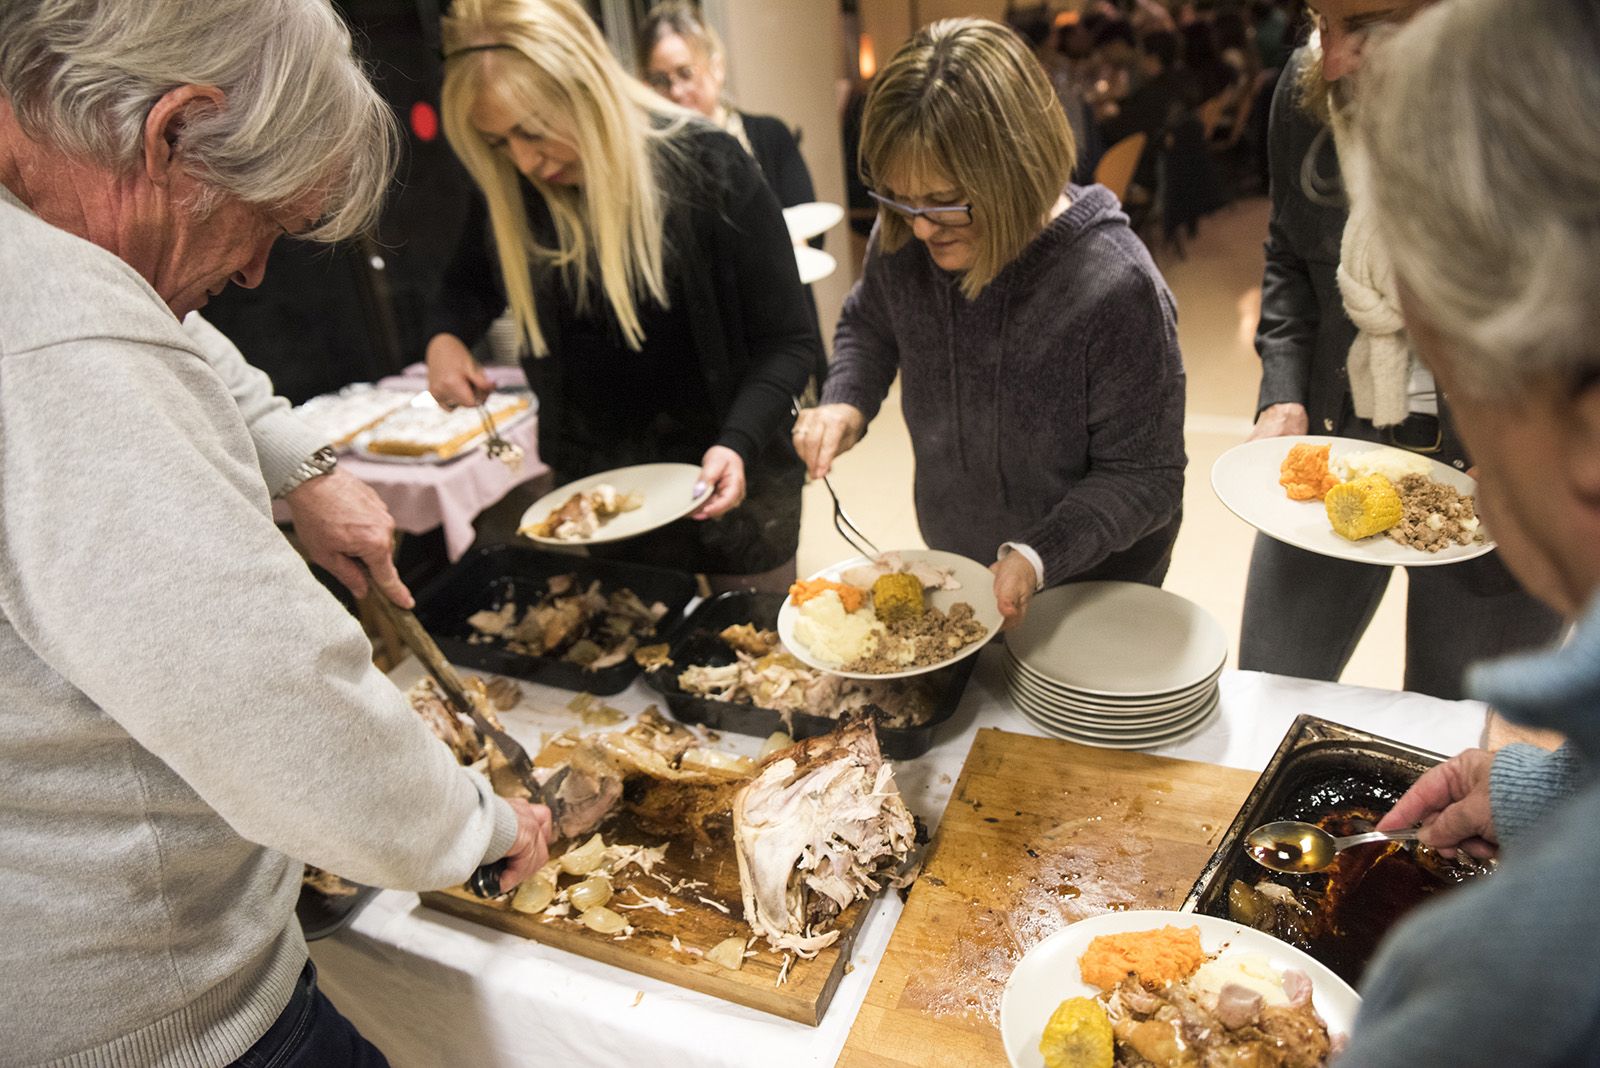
(548, 58)
(965, 98)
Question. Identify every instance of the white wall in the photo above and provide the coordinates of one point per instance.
(784, 60)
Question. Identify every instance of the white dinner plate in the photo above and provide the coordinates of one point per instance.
(1118, 639)
(814, 264)
(1098, 720)
(806, 221)
(1048, 973)
(1066, 734)
(977, 589)
(1245, 479)
(668, 491)
(1110, 705)
(1102, 733)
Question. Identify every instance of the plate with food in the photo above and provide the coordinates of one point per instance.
(901, 614)
(1119, 987)
(614, 505)
(423, 432)
(1353, 500)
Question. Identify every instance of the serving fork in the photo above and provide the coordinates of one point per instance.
(498, 447)
(841, 519)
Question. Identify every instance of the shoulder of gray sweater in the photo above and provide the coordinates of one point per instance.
(75, 289)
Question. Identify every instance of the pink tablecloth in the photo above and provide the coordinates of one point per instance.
(450, 495)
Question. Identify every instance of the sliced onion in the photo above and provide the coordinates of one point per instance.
(701, 759)
(603, 920)
(775, 741)
(584, 859)
(591, 893)
(534, 895)
(729, 953)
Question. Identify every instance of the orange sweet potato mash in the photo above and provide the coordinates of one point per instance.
(1304, 472)
(851, 596)
(1154, 957)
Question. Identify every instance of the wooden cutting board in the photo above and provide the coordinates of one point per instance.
(803, 996)
(1039, 833)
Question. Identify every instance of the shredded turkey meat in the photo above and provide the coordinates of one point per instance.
(766, 676)
(820, 826)
(580, 625)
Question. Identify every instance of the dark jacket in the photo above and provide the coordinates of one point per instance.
(1304, 335)
(778, 154)
(729, 253)
(1048, 411)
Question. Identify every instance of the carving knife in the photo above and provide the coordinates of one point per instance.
(485, 882)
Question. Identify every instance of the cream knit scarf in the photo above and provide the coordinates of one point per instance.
(1380, 357)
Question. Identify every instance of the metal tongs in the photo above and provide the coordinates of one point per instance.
(841, 519)
(498, 447)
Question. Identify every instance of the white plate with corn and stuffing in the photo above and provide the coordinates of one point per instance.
(965, 581)
(1246, 480)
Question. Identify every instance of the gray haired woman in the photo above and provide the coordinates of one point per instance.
(186, 715)
(1487, 185)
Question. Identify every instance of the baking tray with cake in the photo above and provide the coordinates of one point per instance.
(728, 646)
(422, 432)
(1343, 780)
(552, 618)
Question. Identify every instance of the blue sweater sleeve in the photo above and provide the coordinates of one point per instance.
(1526, 782)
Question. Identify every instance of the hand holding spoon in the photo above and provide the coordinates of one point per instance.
(1300, 848)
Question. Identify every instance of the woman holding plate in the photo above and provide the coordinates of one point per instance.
(1035, 339)
(648, 267)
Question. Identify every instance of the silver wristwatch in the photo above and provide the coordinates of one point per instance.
(317, 464)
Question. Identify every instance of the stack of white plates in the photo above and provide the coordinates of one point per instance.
(1116, 664)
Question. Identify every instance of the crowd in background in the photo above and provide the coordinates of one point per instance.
(1195, 80)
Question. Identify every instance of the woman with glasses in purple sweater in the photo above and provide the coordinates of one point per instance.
(1035, 339)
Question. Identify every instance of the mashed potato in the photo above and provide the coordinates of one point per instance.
(1392, 464)
(832, 635)
(1253, 971)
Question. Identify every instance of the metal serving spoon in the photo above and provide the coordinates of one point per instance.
(1296, 847)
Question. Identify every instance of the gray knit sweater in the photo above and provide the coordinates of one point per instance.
(1048, 411)
(1506, 973)
(183, 708)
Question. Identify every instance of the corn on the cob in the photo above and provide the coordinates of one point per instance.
(1364, 507)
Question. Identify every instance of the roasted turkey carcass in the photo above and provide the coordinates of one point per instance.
(820, 826)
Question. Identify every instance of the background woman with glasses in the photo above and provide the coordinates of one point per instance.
(1035, 339)
(682, 59)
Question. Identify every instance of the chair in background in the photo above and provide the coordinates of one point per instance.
(1116, 166)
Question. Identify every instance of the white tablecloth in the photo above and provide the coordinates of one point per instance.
(430, 990)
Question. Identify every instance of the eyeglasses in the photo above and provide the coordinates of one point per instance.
(664, 82)
(951, 215)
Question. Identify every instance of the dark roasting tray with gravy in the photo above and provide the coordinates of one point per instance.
(489, 577)
(696, 641)
(1344, 780)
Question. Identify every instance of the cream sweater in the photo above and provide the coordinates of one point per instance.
(185, 714)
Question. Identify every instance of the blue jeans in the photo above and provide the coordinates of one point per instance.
(311, 1033)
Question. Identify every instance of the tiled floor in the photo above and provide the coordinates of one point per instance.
(1219, 295)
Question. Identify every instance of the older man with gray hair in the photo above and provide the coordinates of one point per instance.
(1483, 148)
(183, 709)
